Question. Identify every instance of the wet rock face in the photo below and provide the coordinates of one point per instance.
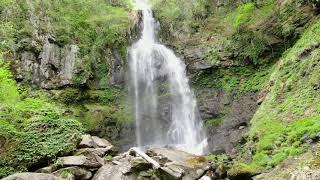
(52, 67)
(121, 134)
(195, 58)
(234, 114)
(117, 70)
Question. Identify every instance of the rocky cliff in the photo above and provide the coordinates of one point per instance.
(78, 57)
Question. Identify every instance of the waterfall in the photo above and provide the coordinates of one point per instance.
(158, 81)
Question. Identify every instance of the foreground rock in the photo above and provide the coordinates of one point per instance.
(31, 176)
(91, 162)
(73, 173)
(157, 163)
(178, 164)
(95, 160)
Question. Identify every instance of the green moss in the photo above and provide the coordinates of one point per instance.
(108, 158)
(66, 173)
(106, 96)
(241, 80)
(214, 121)
(239, 168)
(110, 95)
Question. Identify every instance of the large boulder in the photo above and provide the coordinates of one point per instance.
(96, 142)
(86, 141)
(85, 161)
(112, 172)
(31, 176)
(96, 151)
(176, 164)
(73, 173)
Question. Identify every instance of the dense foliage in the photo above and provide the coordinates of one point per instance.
(32, 130)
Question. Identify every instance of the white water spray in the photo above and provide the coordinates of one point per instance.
(153, 69)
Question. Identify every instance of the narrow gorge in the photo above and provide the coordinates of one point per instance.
(160, 89)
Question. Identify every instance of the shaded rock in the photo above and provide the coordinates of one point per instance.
(48, 169)
(148, 173)
(117, 70)
(199, 65)
(221, 171)
(195, 58)
(139, 164)
(234, 114)
(31, 176)
(101, 143)
(73, 173)
(101, 146)
(92, 161)
(316, 86)
(53, 66)
(172, 171)
(119, 133)
(97, 151)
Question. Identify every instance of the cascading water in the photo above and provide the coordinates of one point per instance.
(158, 79)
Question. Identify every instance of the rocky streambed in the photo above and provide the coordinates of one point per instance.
(97, 159)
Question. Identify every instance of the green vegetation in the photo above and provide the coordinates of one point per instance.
(34, 130)
(214, 121)
(108, 158)
(219, 159)
(289, 117)
(96, 27)
(183, 11)
(95, 23)
(239, 168)
(243, 13)
(235, 79)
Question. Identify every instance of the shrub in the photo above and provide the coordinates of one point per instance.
(34, 129)
(243, 13)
